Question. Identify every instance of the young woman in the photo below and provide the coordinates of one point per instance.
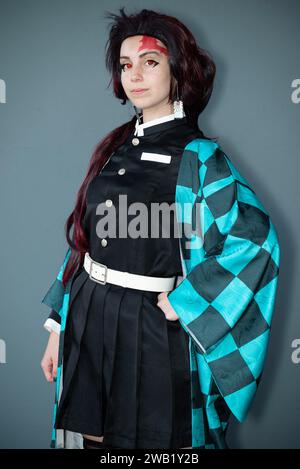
(160, 341)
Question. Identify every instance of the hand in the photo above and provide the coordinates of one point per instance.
(50, 358)
(166, 307)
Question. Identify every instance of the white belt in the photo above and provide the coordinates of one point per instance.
(102, 274)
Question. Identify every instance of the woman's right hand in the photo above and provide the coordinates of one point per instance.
(50, 358)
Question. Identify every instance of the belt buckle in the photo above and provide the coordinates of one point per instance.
(103, 282)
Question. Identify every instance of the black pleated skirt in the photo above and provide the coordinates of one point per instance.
(126, 370)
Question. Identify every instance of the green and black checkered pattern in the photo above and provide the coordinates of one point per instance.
(57, 298)
(230, 253)
(230, 258)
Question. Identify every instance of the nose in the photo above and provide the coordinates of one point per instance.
(136, 73)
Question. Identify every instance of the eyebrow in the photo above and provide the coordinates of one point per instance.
(142, 55)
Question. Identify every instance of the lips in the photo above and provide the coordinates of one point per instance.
(139, 90)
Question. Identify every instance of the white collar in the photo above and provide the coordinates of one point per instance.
(139, 128)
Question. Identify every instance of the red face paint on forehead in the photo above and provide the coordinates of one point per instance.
(149, 42)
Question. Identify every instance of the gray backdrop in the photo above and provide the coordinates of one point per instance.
(58, 107)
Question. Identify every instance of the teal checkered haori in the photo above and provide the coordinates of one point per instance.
(230, 258)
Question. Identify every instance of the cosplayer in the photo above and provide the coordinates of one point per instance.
(156, 341)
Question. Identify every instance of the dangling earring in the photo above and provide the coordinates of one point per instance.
(178, 106)
(138, 115)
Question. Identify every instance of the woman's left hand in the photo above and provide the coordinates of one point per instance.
(166, 307)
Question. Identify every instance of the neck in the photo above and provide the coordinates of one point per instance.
(150, 114)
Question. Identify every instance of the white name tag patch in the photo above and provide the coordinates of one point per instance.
(156, 157)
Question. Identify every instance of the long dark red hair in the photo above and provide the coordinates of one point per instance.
(191, 67)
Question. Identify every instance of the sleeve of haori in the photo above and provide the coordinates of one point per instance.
(53, 322)
(54, 298)
(226, 299)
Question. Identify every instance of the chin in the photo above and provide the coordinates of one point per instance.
(144, 103)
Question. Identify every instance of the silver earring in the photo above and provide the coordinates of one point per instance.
(178, 106)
